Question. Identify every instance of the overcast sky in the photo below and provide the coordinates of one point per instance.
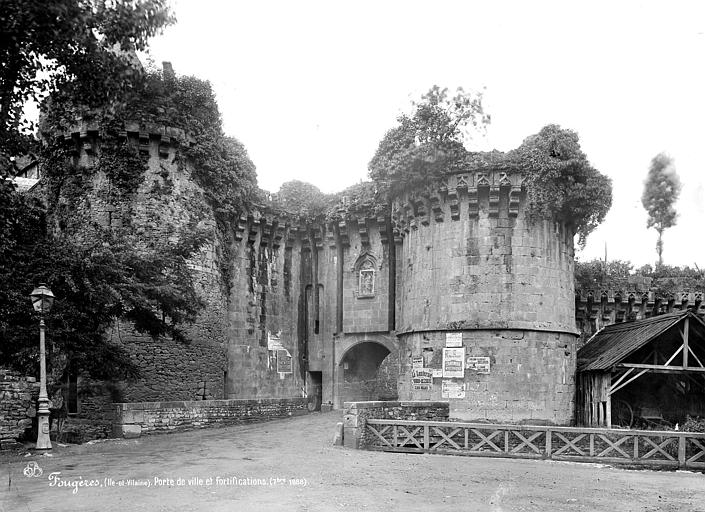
(311, 87)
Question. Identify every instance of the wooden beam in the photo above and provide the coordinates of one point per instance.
(673, 356)
(617, 388)
(619, 381)
(693, 353)
(662, 368)
(686, 328)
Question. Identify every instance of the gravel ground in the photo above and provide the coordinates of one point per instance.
(292, 465)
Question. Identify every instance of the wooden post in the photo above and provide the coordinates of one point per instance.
(548, 443)
(681, 450)
(592, 445)
(686, 328)
(636, 447)
(506, 441)
(426, 440)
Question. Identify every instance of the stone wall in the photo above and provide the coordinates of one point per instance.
(598, 308)
(475, 266)
(482, 263)
(530, 379)
(357, 413)
(135, 419)
(172, 370)
(267, 297)
(17, 406)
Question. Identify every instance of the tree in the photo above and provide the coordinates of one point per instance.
(561, 184)
(430, 141)
(96, 282)
(303, 199)
(661, 190)
(75, 48)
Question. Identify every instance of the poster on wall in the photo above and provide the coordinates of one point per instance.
(437, 372)
(454, 339)
(274, 341)
(477, 364)
(417, 362)
(452, 389)
(422, 379)
(454, 362)
(284, 361)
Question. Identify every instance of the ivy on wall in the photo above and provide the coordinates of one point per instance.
(103, 273)
(430, 143)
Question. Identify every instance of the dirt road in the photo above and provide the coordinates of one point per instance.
(291, 465)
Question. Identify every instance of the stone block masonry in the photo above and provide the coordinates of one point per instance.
(357, 414)
(17, 406)
(136, 419)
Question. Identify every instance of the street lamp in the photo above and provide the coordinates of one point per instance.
(42, 300)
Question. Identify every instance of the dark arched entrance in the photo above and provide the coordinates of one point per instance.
(360, 378)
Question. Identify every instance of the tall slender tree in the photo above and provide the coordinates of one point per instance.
(661, 190)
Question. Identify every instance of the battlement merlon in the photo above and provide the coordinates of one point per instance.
(152, 139)
(500, 188)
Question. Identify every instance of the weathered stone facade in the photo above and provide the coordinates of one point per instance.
(338, 297)
(475, 267)
(17, 406)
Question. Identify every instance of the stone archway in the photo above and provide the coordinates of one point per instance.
(358, 372)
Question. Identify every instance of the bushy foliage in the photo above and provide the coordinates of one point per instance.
(667, 279)
(428, 143)
(664, 280)
(103, 276)
(691, 424)
(364, 198)
(560, 182)
(425, 146)
(71, 49)
(95, 283)
(303, 200)
(596, 275)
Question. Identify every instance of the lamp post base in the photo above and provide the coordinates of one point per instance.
(43, 440)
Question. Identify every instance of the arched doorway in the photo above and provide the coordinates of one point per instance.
(359, 375)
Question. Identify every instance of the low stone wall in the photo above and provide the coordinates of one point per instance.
(17, 406)
(357, 414)
(136, 419)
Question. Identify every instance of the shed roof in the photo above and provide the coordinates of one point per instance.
(615, 342)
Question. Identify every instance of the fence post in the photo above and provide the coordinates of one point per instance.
(636, 447)
(681, 451)
(548, 443)
(426, 442)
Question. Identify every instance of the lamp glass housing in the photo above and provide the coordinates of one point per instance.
(42, 299)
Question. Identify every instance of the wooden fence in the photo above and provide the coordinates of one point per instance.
(644, 447)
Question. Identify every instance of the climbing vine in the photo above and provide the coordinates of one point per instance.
(560, 182)
(429, 144)
(123, 166)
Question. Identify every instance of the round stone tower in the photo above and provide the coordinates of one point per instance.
(152, 201)
(486, 301)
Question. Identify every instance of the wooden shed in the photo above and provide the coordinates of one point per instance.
(646, 373)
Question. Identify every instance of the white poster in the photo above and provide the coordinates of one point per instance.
(454, 339)
(477, 364)
(421, 379)
(454, 362)
(274, 341)
(451, 389)
(417, 362)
